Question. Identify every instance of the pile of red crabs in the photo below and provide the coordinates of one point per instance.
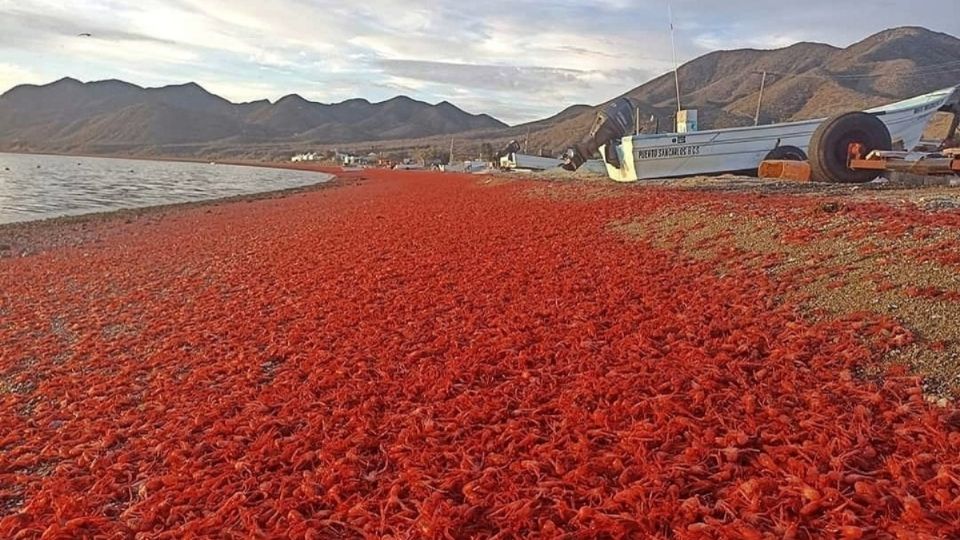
(417, 355)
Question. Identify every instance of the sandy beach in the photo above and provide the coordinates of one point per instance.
(412, 354)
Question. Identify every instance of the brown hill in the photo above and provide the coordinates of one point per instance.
(118, 117)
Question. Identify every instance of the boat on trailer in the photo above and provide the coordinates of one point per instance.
(631, 157)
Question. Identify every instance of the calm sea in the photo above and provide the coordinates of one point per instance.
(38, 187)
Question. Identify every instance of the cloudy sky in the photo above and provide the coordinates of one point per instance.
(516, 59)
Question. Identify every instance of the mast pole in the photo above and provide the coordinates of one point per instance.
(676, 67)
(763, 84)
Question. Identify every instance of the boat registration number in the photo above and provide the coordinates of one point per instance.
(668, 152)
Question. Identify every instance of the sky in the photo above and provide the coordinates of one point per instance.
(517, 60)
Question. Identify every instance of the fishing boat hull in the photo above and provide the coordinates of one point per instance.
(667, 155)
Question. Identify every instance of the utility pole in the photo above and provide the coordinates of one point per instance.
(763, 84)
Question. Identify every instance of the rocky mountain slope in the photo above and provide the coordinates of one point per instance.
(119, 117)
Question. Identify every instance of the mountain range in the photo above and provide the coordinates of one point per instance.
(804, 80)
(116, 117)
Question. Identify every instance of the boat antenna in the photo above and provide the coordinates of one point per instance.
(673, 44)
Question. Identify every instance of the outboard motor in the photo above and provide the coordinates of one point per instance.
(612, 124)
(511, 148)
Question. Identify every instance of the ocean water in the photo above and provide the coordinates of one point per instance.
(38, 187)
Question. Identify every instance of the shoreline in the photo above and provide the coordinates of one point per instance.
(333, 171)
(22, 238)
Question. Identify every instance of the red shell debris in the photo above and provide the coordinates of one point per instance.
(426, 356)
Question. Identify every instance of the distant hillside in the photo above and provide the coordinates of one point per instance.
(122, 118)
(805, 80)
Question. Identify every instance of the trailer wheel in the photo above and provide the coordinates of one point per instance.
(830, 146)
(786, 153)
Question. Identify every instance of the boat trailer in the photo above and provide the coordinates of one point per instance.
(875, 163)
(946, 162)
(856, 147)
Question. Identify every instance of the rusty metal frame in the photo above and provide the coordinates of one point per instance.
(883, 164)
(868, 164)
(857, 161)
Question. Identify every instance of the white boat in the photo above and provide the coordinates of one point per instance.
(524, 162)
(665, 155)
(511, 158)
(468, 166)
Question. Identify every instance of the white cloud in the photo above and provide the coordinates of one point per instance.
(127, 51)
(715, 41)
(12, 75)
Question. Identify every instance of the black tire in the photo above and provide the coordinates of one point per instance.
(786, 153)
(831, 141)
